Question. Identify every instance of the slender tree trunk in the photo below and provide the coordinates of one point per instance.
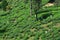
(35, 6)
(31, 7)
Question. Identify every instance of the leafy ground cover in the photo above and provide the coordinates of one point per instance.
(17, 24)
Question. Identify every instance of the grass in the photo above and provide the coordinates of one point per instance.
(17, 24)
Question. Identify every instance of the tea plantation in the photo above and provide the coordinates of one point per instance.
(16, 23)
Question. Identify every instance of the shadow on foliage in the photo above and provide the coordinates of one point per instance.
(2, 31)
(3, 4)
(44, 15)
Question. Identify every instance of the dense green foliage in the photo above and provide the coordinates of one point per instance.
(16, 23)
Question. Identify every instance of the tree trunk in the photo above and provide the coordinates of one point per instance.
(35, 6)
